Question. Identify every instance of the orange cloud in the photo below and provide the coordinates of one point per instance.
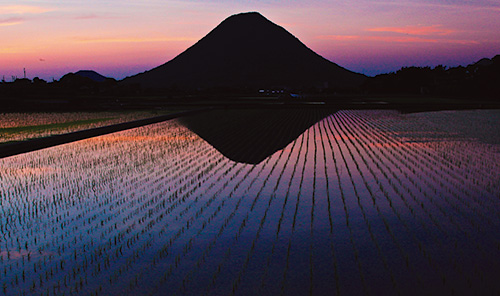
(339, 37)
(23, 9)
(92, 17)
(470, 5)
(415, 30)
(132, 39)
(7, 50)
(11, 21)
(394, 39)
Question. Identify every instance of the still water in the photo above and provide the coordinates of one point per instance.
(269, 202)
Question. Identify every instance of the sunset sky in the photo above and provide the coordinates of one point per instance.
(122, 38)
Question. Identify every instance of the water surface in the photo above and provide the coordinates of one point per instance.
(309, 201)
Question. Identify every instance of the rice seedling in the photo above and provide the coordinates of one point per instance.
(22, 126)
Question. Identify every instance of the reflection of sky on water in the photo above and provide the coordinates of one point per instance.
(346, 207)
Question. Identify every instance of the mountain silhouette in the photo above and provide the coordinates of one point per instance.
(252, 135)
(248, 51)
(91, 74)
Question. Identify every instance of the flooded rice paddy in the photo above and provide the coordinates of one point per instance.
(22, 126)
(292, 202)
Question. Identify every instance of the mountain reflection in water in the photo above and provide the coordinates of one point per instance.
(252, 135)
(364, 202)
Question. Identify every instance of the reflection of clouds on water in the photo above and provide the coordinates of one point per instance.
(482, 125)
(23, 254)
(113, 138)
(25, 171)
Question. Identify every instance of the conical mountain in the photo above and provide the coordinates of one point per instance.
(248, 50)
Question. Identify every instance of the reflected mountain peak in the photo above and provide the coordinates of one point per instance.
(250, 135)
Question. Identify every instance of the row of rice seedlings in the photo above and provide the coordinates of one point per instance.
(391, 170)
(313, 197)
(372, 191)
(378, 161)
(479, 246)
(227, 221)
(145, 215)
(294, 220)
(189, 275)
(149, 224)
(43, 118)
(272, 197)
(412, 212)
(311, 169)
(219, 207)
(288, 191)
(142, 201)
(469, 158)
(358, 197)
(410, 192)
(477, 163)
(448, 189)
(154, 220)
(480, 157)
(164, 210)
(422, 247)
(319, 155)
(260, 228)
(477, 169)
(462, 185)
(471, 154)
(41, 124)
(355, 248)
(264, 276)
(369, 137)
(320, 126)
(248, 221)
(155, 212)
(171, 185)
(188, 228)
(459, 199)
(170, 270)
(457, 208)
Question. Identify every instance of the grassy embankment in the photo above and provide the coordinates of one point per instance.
(27, 126)
(53, 126)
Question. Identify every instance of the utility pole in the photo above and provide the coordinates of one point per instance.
(24, 69)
